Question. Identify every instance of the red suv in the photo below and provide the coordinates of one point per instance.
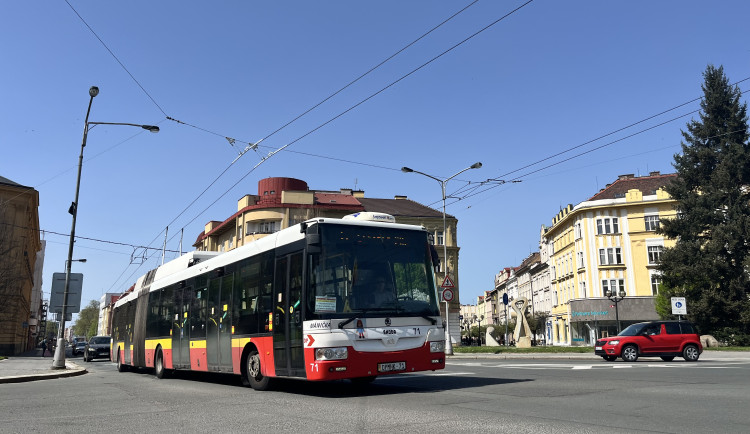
(665, 339)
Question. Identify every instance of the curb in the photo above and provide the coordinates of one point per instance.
(71, 370)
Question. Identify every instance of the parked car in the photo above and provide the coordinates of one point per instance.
(78, 348)
(97, 347)
(665, 339)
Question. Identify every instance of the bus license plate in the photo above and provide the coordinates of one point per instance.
(393, 366)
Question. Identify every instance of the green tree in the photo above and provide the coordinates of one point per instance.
(710, 261)
(88, 320)
(537, 322)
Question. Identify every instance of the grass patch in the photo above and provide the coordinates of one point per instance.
(728, 349)
(514, 350)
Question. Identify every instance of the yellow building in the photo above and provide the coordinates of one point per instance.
(607, 243)
(21, 309)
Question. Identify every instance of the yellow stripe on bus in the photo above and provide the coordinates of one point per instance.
(240, 343)
(198, 344)
(151, 344)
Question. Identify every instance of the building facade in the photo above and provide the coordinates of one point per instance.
(284, 202)
(607, 243)
(22, 310)
(106, 303)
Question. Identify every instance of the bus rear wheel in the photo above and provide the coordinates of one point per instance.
(159, 369)
(120, 366)
(253, 371)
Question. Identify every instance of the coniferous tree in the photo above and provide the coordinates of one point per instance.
(710, 261)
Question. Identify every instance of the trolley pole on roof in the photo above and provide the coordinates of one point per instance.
(443, 182)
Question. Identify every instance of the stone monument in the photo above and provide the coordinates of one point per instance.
(522, 334)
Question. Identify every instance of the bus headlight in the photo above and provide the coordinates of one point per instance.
(437, 347)
(339, 353)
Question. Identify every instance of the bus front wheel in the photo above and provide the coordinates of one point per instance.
(253, 371)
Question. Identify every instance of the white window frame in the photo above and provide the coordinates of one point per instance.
(607, 225)
(651, 222)
(654, 254)
(610, 256)
(655, 282)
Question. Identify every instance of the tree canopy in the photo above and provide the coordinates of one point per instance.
(710, 261)
(87, 323)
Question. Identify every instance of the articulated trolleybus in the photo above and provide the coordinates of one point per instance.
(326, 299)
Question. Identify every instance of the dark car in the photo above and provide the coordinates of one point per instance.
(97, 348)
(665, 339)
(78, 347)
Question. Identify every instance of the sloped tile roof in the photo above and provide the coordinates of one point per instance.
(400, 208)
(646, 184)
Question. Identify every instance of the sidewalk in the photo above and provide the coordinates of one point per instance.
(31, 366)
(706, 356)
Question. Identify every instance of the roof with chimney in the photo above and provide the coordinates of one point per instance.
(646, 184)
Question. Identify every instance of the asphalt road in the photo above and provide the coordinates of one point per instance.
(484, 395)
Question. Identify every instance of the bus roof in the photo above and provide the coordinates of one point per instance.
(198, 262)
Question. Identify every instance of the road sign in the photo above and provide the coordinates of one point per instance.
(447, 294)
(58, 293)
(447, 283)
(505, 299)
(679, 306)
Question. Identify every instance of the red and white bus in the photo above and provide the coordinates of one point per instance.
(299, 303)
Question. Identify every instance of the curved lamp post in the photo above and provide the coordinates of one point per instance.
(443, 182)
(479, 319)
(59, 360)
(616, 298)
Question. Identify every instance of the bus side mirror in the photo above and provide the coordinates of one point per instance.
(435, 257)
(313, 243)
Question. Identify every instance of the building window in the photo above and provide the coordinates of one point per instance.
(439, 237)
(581, 263)
(583, 290)
(610, 256)
(654, 254)
(240, 232)
(267, 227)
(578, 233)
(651, 222)
(655, 282)
(614, 285)
(607, 226)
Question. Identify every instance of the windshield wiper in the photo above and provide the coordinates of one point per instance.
(363, 313)
(425, 314)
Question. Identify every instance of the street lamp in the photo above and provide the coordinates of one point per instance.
(74, 260)
(479, 319)
(59, 360)
(616, 298)
(443, 182)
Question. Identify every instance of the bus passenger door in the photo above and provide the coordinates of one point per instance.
(176, 327)
(212, 325)
(218, 328)
(183, 312)
(287, 322)
(225, 323)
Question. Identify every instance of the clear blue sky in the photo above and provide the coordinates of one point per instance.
(549, 77)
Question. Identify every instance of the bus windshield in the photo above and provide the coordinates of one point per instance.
(371, 271)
